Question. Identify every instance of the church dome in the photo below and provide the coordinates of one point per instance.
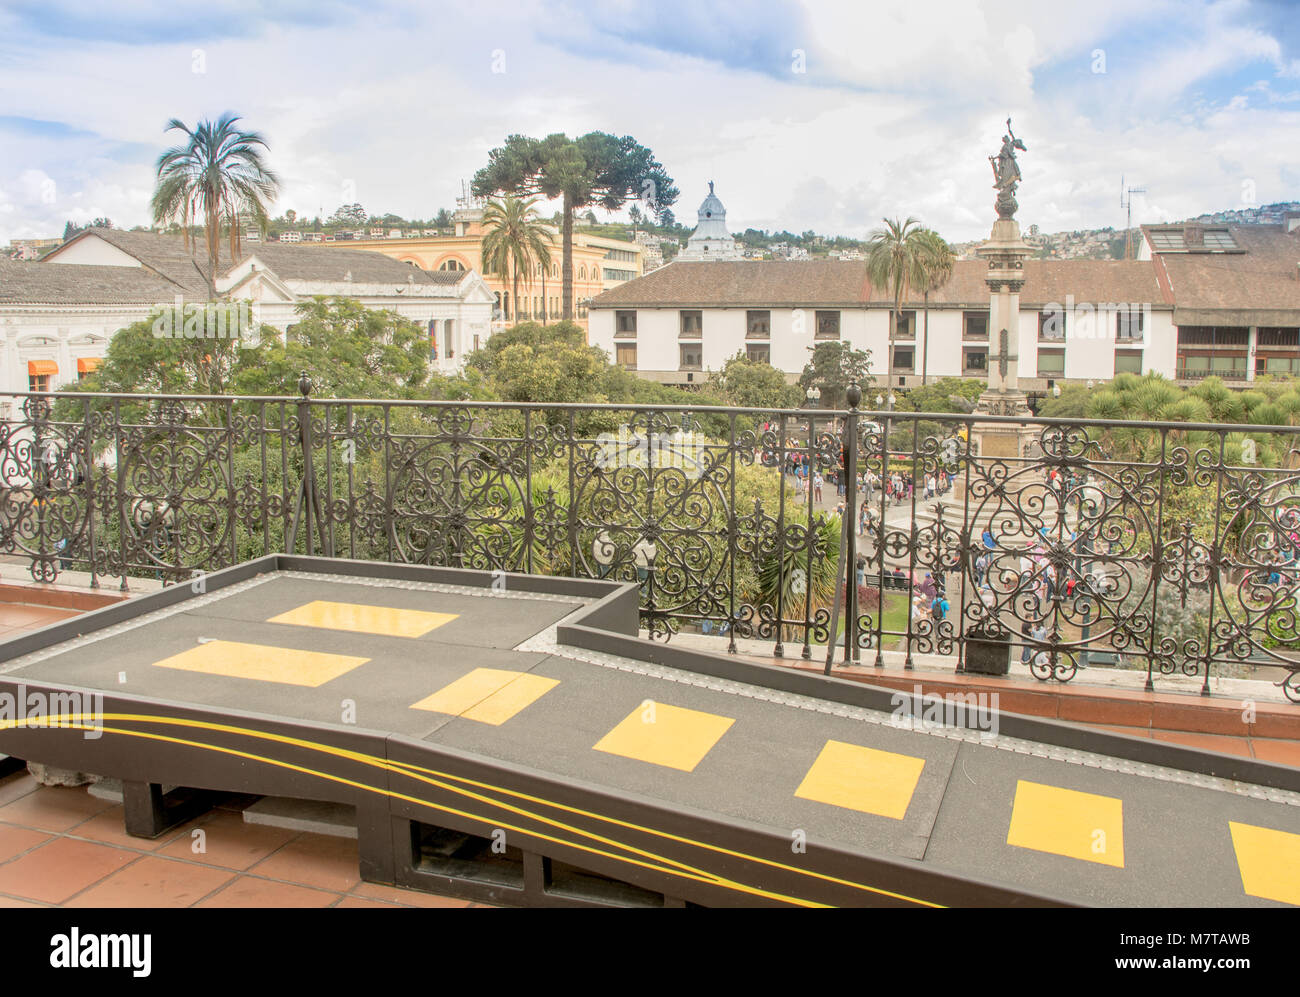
(711, 240)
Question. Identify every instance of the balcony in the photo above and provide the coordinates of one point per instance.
(1087, 570)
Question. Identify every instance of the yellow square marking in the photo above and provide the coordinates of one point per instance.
(262, 663)
(665, 735)
(862, 779)
(488, 695)
(1269, 862)
(358, 618)
(1066, 822)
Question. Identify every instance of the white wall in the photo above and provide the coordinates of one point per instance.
(92, 250)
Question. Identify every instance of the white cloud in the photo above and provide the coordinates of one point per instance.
(896, 115)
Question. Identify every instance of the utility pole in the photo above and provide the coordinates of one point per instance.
(1126, 202)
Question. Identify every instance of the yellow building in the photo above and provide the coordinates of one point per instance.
(599, 264)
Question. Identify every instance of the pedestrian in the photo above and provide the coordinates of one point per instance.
(817, 485)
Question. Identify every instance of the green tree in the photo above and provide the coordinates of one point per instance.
(896, 256)
(194, 349)
(348, 352)
(528, 333)
(748, 384)
(595, 169)
(217, 175)
(833, 367)
(515, 241)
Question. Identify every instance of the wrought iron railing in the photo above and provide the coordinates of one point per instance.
(1169, 548)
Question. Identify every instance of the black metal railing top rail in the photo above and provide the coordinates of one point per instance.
(1170, 548)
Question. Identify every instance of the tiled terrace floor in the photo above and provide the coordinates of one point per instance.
(63, 847)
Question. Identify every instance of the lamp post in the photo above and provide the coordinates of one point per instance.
(812, 399)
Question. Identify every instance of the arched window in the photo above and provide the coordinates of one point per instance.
(555, 270)
(452, 264)
(582, 273)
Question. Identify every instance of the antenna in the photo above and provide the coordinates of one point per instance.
(1126, 202)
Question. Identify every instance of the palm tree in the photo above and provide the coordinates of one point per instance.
(895, 256)
(937, 265)
(217, 175)
(514, 241)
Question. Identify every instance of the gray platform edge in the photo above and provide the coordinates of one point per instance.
(582, 633)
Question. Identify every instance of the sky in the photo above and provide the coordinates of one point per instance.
(808, 115)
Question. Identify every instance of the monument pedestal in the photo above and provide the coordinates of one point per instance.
(1003, 439)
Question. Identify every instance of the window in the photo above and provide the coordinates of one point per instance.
(39, 373)
(582, 273)
(692, 356)
(625, 324)
(758, 325)
(1128, 323)
(452, 265)
(1278, 365)
(87, 366)
(906, 325)
(904, 358)
(616, 274)
(828, 325)
(625, 355)
(1051, 363)
(1051, 325)
(1128, 361)
(758, 352)
(975, 361)
(692, 325)
(975, 325)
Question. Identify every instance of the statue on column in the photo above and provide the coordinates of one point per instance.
(1006, 173)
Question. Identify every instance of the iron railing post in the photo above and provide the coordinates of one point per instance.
(849, 467)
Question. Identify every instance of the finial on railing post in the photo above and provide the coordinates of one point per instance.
(853, 394)
(304, 385)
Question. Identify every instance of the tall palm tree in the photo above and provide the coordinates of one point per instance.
(895, 255)
(515, 240)
(937, 265)
(215, 176)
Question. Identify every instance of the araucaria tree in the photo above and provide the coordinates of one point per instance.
(595, 169)
(216, 176)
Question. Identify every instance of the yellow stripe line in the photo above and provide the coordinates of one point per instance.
(402, 768)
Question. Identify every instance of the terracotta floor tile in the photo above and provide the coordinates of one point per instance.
(109, 828)
(26, 616)
(153, 882)
(53, 808)
(16, 840)
(58, 870)
(228, 841)
(1209, 742)
(314, 860)
(16, 785)
(6, 902)
(1105, 710)
(250, 891)
(1130, 731)
(414, 898)
(351, 901)
(1278, 752)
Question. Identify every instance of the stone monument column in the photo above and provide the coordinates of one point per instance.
(1005, 253)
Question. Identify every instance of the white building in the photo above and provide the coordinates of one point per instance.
(686, 319)
(291, 237)
(57, 316)
(710, 241)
